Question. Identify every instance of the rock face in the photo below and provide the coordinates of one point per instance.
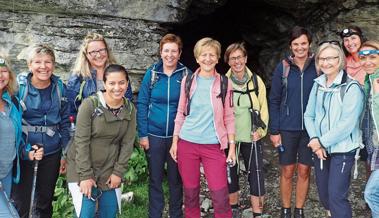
(133, 28)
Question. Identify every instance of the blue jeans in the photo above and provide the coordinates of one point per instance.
(107, 205)
(157, 155)
(372, 193)
(333, 183)
(6, 184)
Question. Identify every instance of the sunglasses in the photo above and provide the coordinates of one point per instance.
(333, 42)
(348, 32)
(368, 52)
(2, 62)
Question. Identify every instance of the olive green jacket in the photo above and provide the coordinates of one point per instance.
(103, 142)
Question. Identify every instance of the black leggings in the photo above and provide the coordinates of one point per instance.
(48, 170)
(245, 150)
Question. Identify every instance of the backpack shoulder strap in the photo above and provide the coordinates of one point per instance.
(79, 97)
(187, 89)
(15, 102)
(23, 88)
(285, 71)
(255, 83)
(223, 88)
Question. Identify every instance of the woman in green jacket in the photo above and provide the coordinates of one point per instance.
(103, 143)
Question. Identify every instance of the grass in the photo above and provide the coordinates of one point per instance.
(138, 208)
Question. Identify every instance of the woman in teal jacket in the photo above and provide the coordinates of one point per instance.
(10, 135)
(332, 121)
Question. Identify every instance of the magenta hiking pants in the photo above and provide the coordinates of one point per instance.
(190, 155)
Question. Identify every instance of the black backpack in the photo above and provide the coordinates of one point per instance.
(187, 88)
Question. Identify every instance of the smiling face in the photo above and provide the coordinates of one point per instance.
(328, 61)
(42, 67)
(170, 55)
(369, 63)
(300, 47)
(207, 59)
(352, 43)
(4, 78)
(97, 54)
(116, 85)
(237, 61)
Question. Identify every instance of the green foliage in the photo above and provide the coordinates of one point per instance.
(62, 205)
(137, 167)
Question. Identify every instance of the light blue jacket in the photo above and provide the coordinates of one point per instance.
(336, 123)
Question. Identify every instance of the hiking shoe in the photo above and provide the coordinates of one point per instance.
(236, 213)
(286, 213)
(298, 213)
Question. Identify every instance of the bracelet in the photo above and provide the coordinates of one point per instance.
(231, 142)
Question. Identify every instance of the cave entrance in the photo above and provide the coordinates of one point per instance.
(236, 21)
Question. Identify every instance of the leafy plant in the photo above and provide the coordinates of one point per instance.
(62, 205)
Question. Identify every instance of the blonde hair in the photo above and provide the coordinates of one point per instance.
(11, 87)
(82, 65)
(371, 43)
(341, 55)
(204, 43)
(37, 49)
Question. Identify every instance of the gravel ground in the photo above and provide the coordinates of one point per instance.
(313, 208)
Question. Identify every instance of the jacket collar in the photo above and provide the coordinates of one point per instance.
(32, 90)
(321, 80)
(158, 67)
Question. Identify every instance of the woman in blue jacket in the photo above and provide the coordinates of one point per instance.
(332, 119)
(10, 135)
(291, 84)
(87, 77)
(45, 122)
(156, 110)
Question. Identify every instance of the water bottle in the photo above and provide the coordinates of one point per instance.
(281, 148)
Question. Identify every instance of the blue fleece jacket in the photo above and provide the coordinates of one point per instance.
(286, 113)
(157, 103)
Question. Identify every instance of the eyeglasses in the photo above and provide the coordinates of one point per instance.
(348, 32)
(238, 58)
(333, 42)
(2, 62)
(101, 51)
(327, 59)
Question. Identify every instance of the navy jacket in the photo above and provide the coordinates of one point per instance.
(288, 115)
(158, 102)
(90, 88)
(57, 115)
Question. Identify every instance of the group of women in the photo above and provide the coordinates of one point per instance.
(191, 119)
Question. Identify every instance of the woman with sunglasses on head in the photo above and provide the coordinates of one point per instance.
(204, 128)
(250, 106)
(369, 57)
(157, 105)
(88, 72)
(291, 84)
(332, 120)
(352, 39)
(10, 135)
(46, 123)
(103, 143)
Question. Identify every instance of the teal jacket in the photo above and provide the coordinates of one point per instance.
(15, 115)
(335, 122)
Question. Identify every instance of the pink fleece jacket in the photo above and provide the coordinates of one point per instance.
(223, 115)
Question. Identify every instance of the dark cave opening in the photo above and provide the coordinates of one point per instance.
(236, 21)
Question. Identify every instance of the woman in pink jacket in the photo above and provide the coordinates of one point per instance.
(204, 127)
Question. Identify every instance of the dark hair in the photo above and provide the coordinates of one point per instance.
(297, 31)
(360, 35)
(115, 68)
(171, 38)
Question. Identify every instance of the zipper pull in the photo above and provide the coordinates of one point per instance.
(343, 167)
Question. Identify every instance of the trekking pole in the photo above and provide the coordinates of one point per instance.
(258, 176)
(34, 185)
